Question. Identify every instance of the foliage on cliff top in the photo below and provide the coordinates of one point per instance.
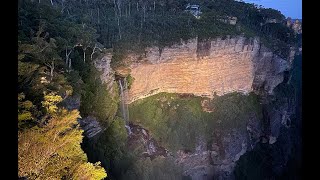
(128, 26)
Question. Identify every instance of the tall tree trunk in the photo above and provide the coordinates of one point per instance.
(154, 6)
(109, 35)
(69, 65)
(115, 8)
(91, 56)
(126, 12)
(119, 28)
(144, 13)
(91, 15)
(51, 2)
(66, 56)
(84, 55)
(94, 50)
(98, 17)
(129, 8)
(137, 6)
(119, 8)
(117, 16)
(51, 70)
(141, 26)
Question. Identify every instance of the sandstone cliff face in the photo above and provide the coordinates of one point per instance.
(107, 75)
(204, 68)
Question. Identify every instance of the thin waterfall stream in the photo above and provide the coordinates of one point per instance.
(124, 106)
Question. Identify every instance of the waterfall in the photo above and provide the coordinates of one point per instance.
(126, 98)
(122, 102)
(124, 106)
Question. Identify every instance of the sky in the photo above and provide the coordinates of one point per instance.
(289, 8)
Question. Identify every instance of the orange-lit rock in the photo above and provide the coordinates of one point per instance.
(204, 68)
(218, 66)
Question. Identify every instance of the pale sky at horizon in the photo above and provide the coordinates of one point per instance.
(289, 8)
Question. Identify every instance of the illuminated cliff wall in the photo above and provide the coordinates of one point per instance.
(203, 68)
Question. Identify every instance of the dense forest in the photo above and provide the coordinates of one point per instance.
(58, 41)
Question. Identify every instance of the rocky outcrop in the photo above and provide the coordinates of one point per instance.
(107, 75)
(296, 25)
(268, 70)
(141, 137)
(72, 102)
(217, 160)
(91, 126)
(203, 68)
